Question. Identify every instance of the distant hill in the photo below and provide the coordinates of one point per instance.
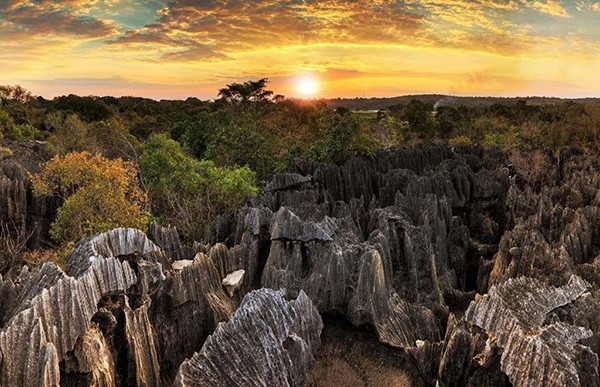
(444, 100)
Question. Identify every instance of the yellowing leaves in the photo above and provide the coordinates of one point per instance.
(99, 194)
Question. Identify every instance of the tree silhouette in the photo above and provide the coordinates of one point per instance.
(250, 91)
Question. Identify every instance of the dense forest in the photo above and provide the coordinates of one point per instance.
(131, 161)
(257, 240)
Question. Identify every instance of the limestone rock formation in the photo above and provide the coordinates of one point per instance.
(375, 240)
(533, 353)
(268, 342)
(470, 268)
(112, 317)
(44, 332)
(24, 218)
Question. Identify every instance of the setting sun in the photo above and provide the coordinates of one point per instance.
(307, 86)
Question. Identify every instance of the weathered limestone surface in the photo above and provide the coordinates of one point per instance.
(111, 318)
(91, 362)
(399, 245)
(383, 242)
(533, 353)
(268, 342)
(56, 317)
(23, 217)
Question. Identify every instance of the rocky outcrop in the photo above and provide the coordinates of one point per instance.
(44, 332)
(513, 335)
(24, 218)
(534, 353)
(268, 342)
(385, 243)
(470, 269)
(112, 317)
(56, 308)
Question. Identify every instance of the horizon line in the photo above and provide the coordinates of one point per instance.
(464, 96)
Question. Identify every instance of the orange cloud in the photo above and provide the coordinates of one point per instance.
(379, 47)
(203, 29)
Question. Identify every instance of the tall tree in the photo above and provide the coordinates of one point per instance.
(250, 91)
(15, 93)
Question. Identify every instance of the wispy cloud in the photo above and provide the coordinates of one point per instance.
(550, 7)
(211, 27)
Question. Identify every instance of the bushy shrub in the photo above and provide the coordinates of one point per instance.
(6, 123)
(460, 141)
(18, 132)
(99, 194)
(164, 166)
(343, 137)
(247, 143)
(70, 134)
(493, 140)
(190, 193)
(533, 167)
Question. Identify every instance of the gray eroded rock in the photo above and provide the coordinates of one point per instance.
(52, 310)
(44, 332)
(285, 181)
(533, 353)
(115, 243)
(268, 342)
(168, 240)
(398, 244)
(186, 310)
(179, 265)
(287, 225)
(90, 356)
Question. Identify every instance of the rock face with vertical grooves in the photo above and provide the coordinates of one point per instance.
(56, 308)
(23, 217)
(114, 316)
(399, 245)
(378, 241)
(269, 341)
(533, 353)
(55, 318)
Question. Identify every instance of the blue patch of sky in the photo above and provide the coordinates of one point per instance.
(132, 14)
(128, 14)
(582, 22)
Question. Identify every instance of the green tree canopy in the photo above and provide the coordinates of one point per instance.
(89, 109)
(190, 193)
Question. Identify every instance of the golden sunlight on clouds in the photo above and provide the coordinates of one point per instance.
(176, 49)
(550, 7)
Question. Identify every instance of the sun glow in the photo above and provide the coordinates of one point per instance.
(307, 86)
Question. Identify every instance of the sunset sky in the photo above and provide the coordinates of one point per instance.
(182, 48)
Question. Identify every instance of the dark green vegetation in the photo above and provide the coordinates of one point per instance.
(197, 159)
(379, 103)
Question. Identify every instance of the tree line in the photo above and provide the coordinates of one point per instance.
(184, 162)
